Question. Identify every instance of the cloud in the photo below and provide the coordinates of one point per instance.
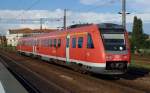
(14, 19)
(139, 5)
(97, 2)
(30, 14)
(133, 5)
(56, 16)
(93, 17)
(52, 22)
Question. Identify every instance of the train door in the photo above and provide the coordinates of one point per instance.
(67, 48)
(34, 46)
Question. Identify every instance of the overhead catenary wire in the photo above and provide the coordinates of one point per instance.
(21, 20)
(40, 19)
(106, 3)
(19, 17)
(45, 19)
(30, 7)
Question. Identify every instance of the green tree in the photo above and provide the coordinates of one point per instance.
(137, 34)
(141, 35)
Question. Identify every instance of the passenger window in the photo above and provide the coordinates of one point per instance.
(47, 44)
(38, 42)
(90, 41)
(50, 43)
(55, 42)
(80, 42)
(44, 43)
(34, 42)
(59, 42)
(73, 42)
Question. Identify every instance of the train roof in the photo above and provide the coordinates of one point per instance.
(101, 25)
(79, 26)
(110, 26)
(71, 28)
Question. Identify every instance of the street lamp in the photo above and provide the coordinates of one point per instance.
(121, 13)
(124, 19)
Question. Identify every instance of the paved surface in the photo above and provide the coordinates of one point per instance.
(8, 83)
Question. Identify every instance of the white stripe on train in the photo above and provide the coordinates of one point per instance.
(87, 63)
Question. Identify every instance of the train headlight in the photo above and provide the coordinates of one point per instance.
(121, 48)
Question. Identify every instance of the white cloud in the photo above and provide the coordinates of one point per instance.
(139, 5)
(97, 2)
(89, 2)
(133, 5)
(93, 17)
(73, 17)
(30, 14)
(144, 16)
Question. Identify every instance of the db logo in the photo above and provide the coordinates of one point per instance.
(53, 51)
(88, 54)
(117, 56)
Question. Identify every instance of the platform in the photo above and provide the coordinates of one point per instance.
(8, 83)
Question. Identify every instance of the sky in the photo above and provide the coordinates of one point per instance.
(13, 13)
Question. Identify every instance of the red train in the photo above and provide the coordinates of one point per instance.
(99, 48)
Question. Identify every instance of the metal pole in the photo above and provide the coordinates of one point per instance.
(65, 10)
(41, 22)
(124, 13)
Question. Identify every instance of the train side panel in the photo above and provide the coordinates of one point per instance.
(96, 54)
(83, 45)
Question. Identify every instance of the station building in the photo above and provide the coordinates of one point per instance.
(14, 34)
(3, 40)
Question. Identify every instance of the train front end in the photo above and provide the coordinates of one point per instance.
(116, 45)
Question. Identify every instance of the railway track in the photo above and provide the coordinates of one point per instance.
(118, 86)
(30, 87)
(138, 57)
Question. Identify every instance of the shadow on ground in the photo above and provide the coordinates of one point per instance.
(132, 74)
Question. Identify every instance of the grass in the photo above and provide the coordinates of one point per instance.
(8, 48)
(139, 64)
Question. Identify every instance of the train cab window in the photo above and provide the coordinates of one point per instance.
(59, 42)
(90, 41)
(73, 42)
(80, 42)
(55, 42)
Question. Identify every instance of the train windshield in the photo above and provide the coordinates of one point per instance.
(114, 42)
(113, 39)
